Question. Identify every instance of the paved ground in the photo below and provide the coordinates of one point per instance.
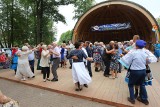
(155, 68)
(34, 97)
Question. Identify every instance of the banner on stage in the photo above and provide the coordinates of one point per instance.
(116, 26)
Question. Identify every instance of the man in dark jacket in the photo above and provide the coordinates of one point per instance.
(89, 52)
(107, 57)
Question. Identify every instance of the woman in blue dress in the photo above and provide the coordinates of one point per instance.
(14, 59)
(62, 55)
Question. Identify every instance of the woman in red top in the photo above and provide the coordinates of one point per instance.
(4, 60)
(2, 57)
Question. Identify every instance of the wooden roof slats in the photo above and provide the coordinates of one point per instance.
(115, 13)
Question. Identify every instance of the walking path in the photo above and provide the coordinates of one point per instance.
(34, 97)
(102, 89)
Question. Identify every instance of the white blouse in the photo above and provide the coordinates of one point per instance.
(44, 62)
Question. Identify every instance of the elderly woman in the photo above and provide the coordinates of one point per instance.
(137, 60)
(97, 56)
(44, 62)
(79, 72)
(23, 68)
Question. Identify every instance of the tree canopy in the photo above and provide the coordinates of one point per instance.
(29, 21)
(81, 6)
(66, 36)
(158, 20)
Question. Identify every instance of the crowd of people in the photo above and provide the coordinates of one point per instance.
(108, 58)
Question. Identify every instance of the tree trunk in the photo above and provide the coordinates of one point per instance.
(12, 39)
(41, 21)
(38, 20)
(35, 25)
(8, 32)
(39, 13)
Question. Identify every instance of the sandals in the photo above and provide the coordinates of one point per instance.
(85, 85)
(79, 88)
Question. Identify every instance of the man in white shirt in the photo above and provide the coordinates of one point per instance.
(56, 60)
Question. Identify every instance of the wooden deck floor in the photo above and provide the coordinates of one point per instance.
(102, 89)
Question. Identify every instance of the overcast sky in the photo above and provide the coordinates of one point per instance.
(153, 6)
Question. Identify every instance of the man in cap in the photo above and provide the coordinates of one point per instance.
(137, 61)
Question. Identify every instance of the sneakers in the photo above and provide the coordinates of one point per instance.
(44, 80)
(54, 79)
(111, 77)
(146, 102)
(131, 101)
(48, 79)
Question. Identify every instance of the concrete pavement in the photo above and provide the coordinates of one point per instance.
(34, 97)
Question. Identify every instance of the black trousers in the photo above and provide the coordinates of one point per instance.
(46, 71)
(120, 67)
(89, 68)
(107, 69)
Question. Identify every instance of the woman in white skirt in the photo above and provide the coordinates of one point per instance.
(23, 68)
(79, 72)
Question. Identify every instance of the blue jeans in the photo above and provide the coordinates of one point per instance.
(137, 77)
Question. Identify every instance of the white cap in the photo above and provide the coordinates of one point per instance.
(25, 48)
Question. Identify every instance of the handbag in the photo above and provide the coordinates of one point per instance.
(12, 103)
(149, 77)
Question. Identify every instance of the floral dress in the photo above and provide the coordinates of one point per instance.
(97, 58)
(114, 65)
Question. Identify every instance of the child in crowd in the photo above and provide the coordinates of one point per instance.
(114, 64)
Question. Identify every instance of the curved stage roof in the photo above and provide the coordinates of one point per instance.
(116, 11)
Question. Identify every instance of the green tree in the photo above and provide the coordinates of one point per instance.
(66, 36)
(81, 6)
(29, 21)
(158, 20)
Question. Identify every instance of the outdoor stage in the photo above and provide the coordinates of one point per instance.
(102, 89)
